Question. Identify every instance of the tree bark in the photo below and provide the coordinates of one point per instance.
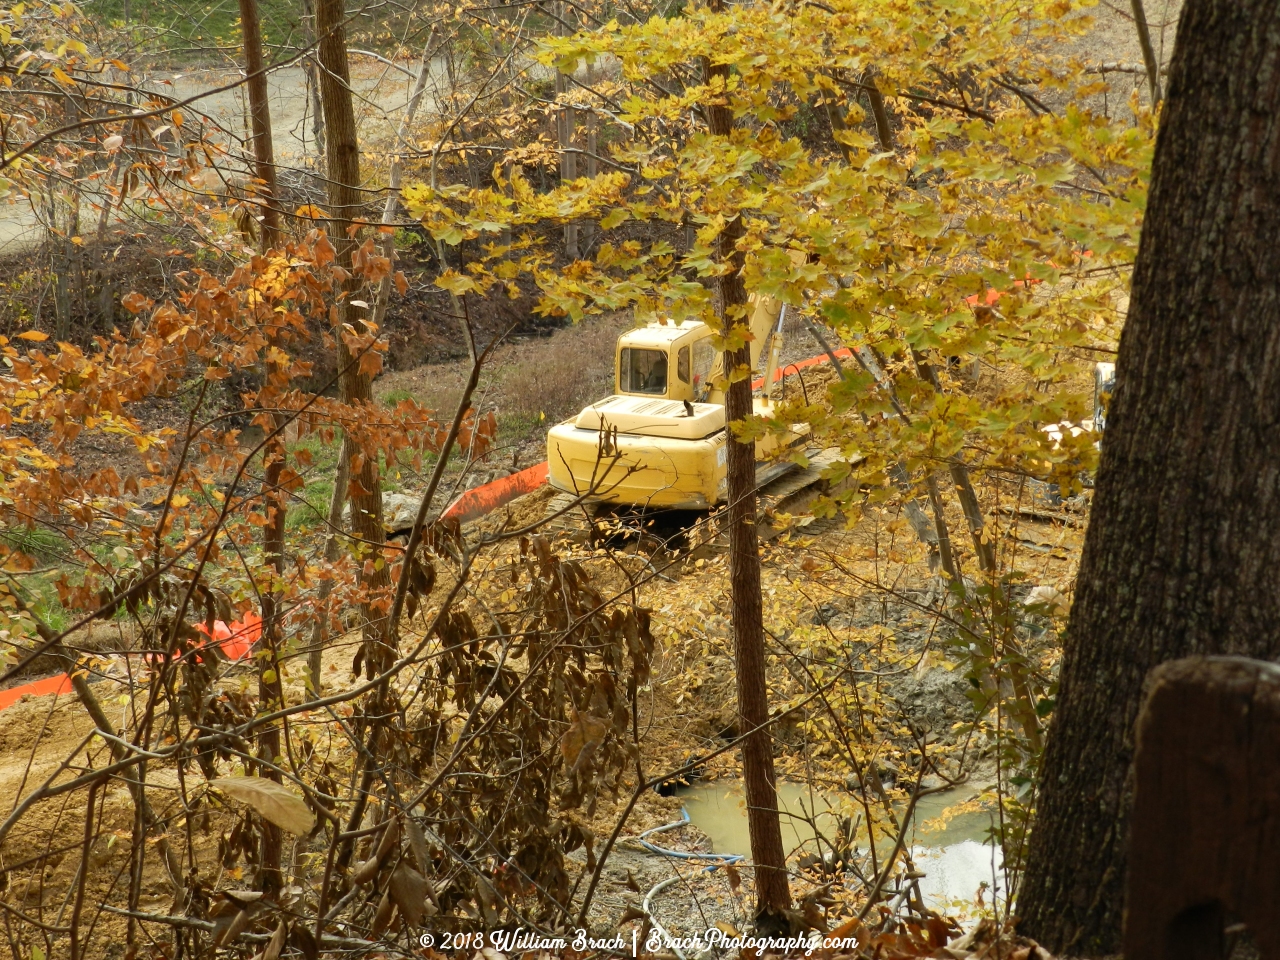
(270, 689)
(566, 122)
(1181, 557)
(773, 893)
(264, 164)
(1148, 51)
(313, 82)
(884, 130)
(342, 152)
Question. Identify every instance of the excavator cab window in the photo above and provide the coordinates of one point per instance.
(643, 371)
(682, 365)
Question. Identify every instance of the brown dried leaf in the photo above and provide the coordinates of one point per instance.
(237, 926)
(276, 943)
(417, 843)
(382, 919)
(408, 888)
(276, 802)
(304, 942)
(734, 877)
(365, 871)
(389, 841)
(581, 740)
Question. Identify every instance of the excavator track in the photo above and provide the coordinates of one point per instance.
(786, 492)
(565, 519)
(782, 487)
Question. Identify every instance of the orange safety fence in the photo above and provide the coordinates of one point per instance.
(489, 497)
(844, 353)
(40, 688)
(236, 640)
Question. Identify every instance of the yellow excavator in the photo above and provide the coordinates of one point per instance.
(660, 440)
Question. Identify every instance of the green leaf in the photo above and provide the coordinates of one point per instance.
(613, 218)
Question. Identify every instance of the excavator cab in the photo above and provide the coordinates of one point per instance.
(672, 361)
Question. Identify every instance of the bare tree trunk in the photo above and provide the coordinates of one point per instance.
(395, 177)
(884, 131)
(270, 689)
(983, 548)
(343, 154)
(879, 113)
(313, 83)
(260, 123)
(1181, 556)
(566, 121)
(320, 632)
(1148, 52)
(945, 555)
(773, 892)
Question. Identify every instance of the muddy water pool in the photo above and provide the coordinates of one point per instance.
(955, 860)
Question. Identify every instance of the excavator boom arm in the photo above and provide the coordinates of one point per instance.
(766, 315)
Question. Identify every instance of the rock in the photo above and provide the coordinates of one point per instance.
(934, 700)
(826, 614)
(1050, 599)
(399, 510)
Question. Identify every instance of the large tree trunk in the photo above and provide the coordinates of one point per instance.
(1182, 555)
(773, 892)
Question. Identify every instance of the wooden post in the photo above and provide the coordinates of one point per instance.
(1205, 837)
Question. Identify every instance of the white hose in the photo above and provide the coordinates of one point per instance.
(647, 908)
(715, 860)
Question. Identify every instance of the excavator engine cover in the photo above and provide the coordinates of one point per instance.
(653, 418)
